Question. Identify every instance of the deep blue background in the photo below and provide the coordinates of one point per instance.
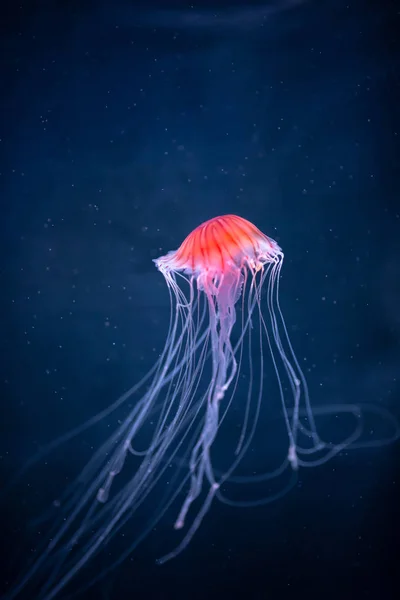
(125, 125)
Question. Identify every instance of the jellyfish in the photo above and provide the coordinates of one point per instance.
(223, 284)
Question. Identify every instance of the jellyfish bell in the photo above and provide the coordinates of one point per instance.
(226, 267)
(220, 245)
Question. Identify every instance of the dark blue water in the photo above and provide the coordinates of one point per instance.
(123, 126)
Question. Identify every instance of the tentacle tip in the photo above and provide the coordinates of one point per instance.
(292, 457)
(102, 496)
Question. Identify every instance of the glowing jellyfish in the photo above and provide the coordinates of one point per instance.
(221, 270)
